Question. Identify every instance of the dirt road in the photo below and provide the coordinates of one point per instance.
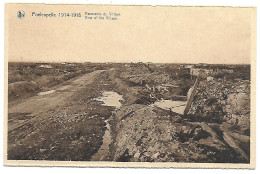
(40, 124)
(41, 103)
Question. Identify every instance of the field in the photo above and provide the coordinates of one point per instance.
(129, 112)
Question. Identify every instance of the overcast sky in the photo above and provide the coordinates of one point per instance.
(148, 34)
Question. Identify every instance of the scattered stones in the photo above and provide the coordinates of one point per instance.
(210, 78)
(146, 138)
(218, 99)
(42, 150)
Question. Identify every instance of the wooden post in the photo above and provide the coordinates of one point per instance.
(171, 114)
(189, 102)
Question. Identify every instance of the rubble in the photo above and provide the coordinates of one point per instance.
(218, 100)
(148, 135)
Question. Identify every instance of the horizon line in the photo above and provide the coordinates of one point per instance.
(130, 62)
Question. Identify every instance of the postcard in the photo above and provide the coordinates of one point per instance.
(129, 86)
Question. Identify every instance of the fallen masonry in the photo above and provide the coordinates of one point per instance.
(213, 129)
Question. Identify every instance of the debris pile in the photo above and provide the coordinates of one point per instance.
(148, 134)
(218, 100)
(152, 84)
(216, 129)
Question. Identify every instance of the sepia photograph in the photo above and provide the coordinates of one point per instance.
(130, 86)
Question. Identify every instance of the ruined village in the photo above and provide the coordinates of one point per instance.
(129, 112)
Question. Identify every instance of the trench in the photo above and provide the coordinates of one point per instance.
(101, 154)
(109, 98)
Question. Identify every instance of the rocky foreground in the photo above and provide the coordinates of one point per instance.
(216, 128)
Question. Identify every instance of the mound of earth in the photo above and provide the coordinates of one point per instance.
(149, 134)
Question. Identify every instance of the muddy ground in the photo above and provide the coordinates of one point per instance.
(66, 120)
